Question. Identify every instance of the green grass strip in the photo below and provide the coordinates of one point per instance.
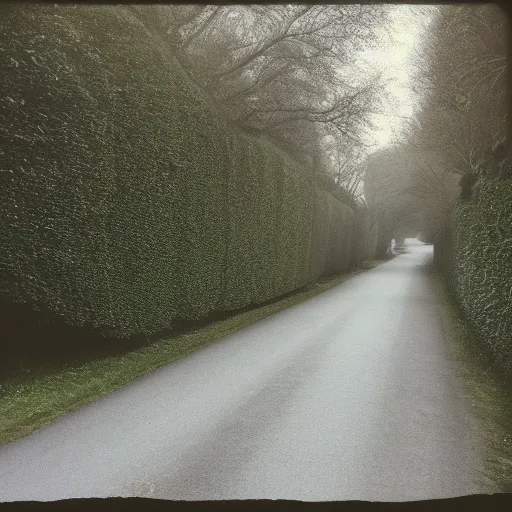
(28, 403)
(488, 388)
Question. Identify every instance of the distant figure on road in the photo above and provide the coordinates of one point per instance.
(391, 248)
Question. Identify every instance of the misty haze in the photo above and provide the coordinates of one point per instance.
(255, 252)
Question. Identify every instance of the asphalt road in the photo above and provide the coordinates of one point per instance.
(351, 395)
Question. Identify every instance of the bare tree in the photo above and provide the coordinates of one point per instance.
(459, 131)
(462, 78)
(290, 72)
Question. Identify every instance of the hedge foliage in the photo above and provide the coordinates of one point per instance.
(482, 264)
(114, 172)
(268, 225)
(364, 236)
(331, 235)
(127, 202)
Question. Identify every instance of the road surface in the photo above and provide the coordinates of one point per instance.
(350, 395)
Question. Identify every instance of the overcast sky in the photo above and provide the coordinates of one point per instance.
(395, 62)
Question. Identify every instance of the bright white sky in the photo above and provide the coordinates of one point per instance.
(395, 62)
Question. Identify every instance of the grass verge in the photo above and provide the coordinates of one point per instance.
(489, 389)
(30, 402)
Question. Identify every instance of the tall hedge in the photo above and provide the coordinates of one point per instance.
(363, 237)
(331, 235)
(114, 168)
(268, 226)
(127, 202)
(482, 264)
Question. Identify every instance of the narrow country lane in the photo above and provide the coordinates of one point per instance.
(351, 395)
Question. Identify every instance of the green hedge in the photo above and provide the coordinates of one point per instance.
(363, 237)
(117, 168)
(127, 202)
(482, 264)
(331, 237)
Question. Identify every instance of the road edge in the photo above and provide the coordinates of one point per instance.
(489, 393)
(28, 404)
